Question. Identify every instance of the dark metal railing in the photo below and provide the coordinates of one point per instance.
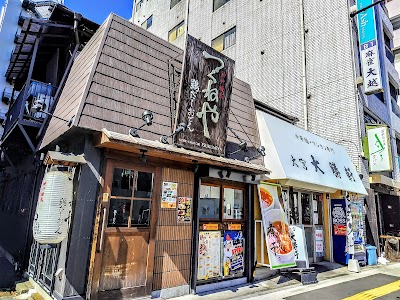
(35, 92)
(395, 107)
(389, 54)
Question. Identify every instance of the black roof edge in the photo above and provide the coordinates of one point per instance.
(275, 112)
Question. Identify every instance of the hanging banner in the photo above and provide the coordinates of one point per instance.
(380, 156)
(233, 252)
(169, 194)
(369, 52)
(349, 229)
(297, 234)
(204, 98)
(209, 262)
(339, 230)
(276, 228)
(184, 209)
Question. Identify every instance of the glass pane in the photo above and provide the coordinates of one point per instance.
(181, 29)
(144, 185)
(172, 35)
(118, 214)
(218, 43)
(219, 3)
(149, 21)
(233, 204)
(305, 209)
(122, 184)
(209, 202)
(141, 213)
(317, 209)
(230, 38)
(309, 241)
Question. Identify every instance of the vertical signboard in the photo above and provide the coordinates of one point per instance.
(369, 54)
(276, 228)
(319, 241)
(339, 230)
(380, 157)
(298, 237)
(204, 98)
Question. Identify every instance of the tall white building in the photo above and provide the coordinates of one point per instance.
(393, 7)
(300, 57)
(12, 13)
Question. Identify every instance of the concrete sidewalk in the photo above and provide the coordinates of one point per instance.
(278, 285)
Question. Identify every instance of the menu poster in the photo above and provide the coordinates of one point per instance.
(319, 242)
(184, 209)
(209, 261)
(169, 194)
(276, 227)
(233, 252)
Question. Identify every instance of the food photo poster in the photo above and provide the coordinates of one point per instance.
(276, 227)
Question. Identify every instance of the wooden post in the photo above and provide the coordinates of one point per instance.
(195, 230)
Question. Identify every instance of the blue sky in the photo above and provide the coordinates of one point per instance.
(98, 10)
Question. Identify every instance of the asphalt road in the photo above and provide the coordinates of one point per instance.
(370, 287)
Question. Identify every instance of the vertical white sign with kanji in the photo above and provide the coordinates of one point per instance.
(370, 67)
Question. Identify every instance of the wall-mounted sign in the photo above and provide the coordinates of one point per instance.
(169, 194)
(369, 48)
(210, 227)
(204, 98)
(233, 252)
(184, 209)
(276, 228)
(380, 155)
(209, 262)
(234, 226)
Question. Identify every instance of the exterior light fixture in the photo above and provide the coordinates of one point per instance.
(181, 127)
(143, 156)
(147, 117)
(261, 152)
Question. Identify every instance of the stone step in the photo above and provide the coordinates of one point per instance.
(23, 287)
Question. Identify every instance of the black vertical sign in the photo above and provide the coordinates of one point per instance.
(204, 98)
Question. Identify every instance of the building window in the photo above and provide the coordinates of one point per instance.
(147, 24)
(176, 32)
(213, 197)
(139, 5)
(218, 4)
(130, 200)
(225, 40)
(174, 2)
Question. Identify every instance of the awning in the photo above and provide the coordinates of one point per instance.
(384, 180)
(301, 159)
(125, 142)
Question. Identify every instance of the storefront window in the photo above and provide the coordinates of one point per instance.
(130, 201)
(209, 202)
(317, 209)
(233, 204)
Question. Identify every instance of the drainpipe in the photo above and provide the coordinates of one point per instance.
(304, 64)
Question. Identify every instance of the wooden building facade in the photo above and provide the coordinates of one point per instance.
(145, 212)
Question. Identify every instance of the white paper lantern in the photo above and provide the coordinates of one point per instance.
(54, 208)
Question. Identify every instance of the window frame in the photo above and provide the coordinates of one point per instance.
(175, 29)
(225, 2)
(221, 219)
(138, 5)
(174, 1)
(147, 23)
(224, 35)
(131, 198)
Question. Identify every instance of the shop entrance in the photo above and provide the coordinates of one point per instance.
(306, 208)
(122, 267)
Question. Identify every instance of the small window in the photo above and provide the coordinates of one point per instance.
(225, 40)
(174, 2)
(131, 196)
(176, 32)
(209, 202)
(139, 4)
(147, 24)
(233, 204)
(218, 4)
